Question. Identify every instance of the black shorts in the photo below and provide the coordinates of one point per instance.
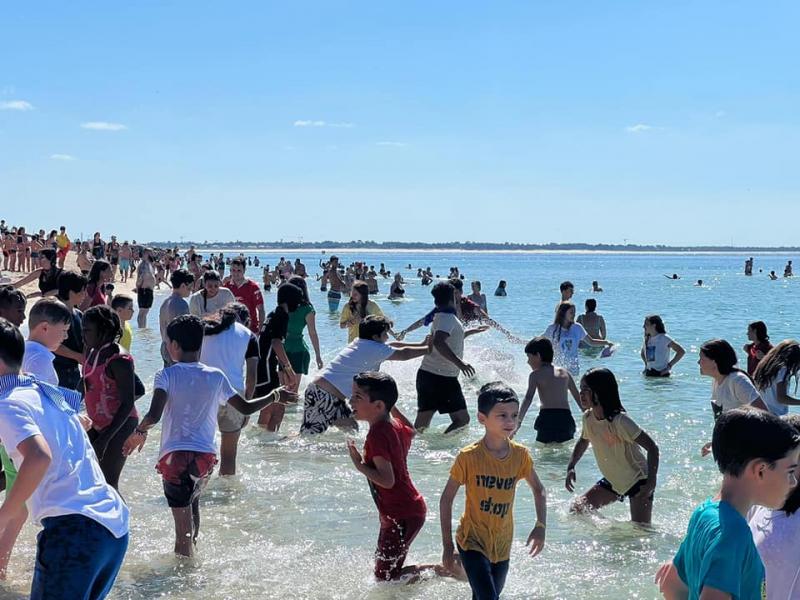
(144, 297)
(439, 393)
(606, 485)
(655, 373)
(114, 261)
(554, 425)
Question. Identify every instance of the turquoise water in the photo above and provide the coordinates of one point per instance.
(298, 520)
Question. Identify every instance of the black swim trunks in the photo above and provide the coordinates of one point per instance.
(606, 485)
(439, 393)
(554, 425)
(144, 297)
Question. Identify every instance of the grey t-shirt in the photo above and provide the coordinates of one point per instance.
(174, 306)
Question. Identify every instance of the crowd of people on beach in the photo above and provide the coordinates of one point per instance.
(69, 421)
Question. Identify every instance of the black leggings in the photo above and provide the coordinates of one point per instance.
(113, 460)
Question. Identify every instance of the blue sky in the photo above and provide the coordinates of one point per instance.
(435, 121)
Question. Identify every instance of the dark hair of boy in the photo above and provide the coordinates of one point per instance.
(379, 386)
(494, 393)
(792, 503)
(49, 254)
(180, 277)
(238, 262)
(12, 345)
(373, 325)
(566, 285)
(605, 391)
(542, 346)
(49, 310)
(121, 301)
(107, 321)
(591, 305)
(443, 293)
(70, 281)
(743, 435)
(457, 284)
(9, 296)
(187, 331)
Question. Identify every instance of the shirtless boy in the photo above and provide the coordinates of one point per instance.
(554, 423)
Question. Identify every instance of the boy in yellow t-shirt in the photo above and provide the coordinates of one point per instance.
(490, 469)
(122, 304)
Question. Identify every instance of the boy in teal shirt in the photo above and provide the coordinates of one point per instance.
(757, 454)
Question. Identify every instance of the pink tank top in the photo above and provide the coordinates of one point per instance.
(102, 395)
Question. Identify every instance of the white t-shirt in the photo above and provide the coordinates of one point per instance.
(223, 298)
(360, 355)
(226, 351)
(38, 361)
(735, 390)
(436, 363)
(770, 398)
(656, 351)
(565, 346)
(73, 482)
(194, 394)
(776, 535)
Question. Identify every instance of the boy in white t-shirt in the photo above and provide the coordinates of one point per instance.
(188, 394)
(85, 522)
(438, 388)
(49, 323)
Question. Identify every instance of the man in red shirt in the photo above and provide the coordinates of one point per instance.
(246, 291)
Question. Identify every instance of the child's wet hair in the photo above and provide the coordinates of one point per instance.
(443, 293)
(121, 301)
(70, 281)
(542, 346)
(657, 322)
(743, 435)
(566, 285)
(722, 353)
(590, 304)
(181, 277)
(106, 320)
(12, 345)
(760, 329)
(379, 386)
(10, 297)
(291, 295)
(187, 331)
(49, 310)
(605, 391)
(373, 325)
(494, 393)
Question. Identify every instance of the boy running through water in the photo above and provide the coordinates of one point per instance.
(554, 424)
(757, 454)
(384, 463)
(188, 394)
(490, 469)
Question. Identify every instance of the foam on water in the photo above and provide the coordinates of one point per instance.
(298, 521)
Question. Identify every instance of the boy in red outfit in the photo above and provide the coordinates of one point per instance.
(400, 506)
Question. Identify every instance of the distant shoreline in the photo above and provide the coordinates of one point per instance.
(360, 246)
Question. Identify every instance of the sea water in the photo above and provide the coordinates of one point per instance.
(298, 520)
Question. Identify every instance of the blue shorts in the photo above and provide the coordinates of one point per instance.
(76, 558)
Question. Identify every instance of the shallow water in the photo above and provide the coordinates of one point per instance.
(298, 521)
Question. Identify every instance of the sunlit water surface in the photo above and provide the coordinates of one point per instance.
(298, 521)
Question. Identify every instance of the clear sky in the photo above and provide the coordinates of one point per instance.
(531, 121)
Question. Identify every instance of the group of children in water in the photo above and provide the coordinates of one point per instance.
(217, 371)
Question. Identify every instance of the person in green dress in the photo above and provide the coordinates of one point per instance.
(295, 344)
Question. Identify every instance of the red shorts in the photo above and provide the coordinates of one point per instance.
(62, 252)
(394, 540)
(185, 474)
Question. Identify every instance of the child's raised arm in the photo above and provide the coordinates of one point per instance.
(248, 407)
(577, 453)
(382, 474)
(446, 520)
(536, 536)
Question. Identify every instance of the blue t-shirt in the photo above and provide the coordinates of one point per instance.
(718, 552)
